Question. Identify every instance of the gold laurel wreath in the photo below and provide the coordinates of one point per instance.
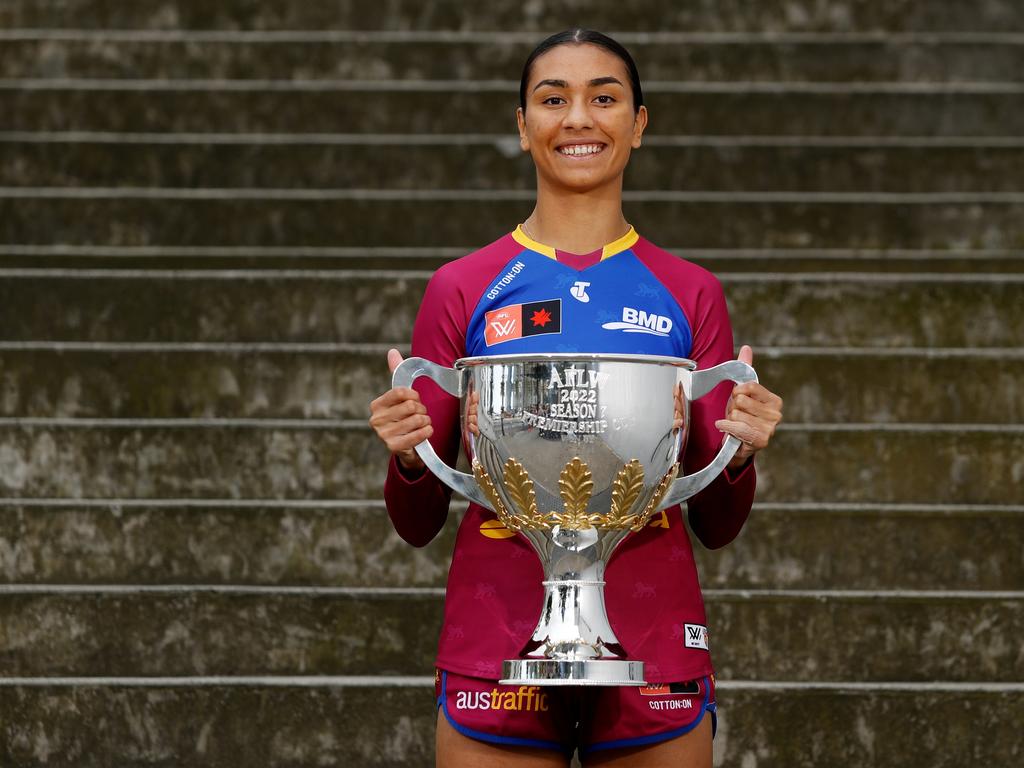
(575, 486)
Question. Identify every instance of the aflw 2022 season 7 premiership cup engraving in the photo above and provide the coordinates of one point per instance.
(573, 452)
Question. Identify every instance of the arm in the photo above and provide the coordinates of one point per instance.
(416, 500)
(717, 513)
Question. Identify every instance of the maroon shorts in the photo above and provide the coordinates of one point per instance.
(566, 718)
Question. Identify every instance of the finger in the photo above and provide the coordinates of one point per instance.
(394, 359)
(393, 397)
(409, 441)
(396, 414)
(764, 429)
(397, 429)
(760, 425)
(747, 434)
(748, 404)
(759, 392)
(746, 354)
(380, 414)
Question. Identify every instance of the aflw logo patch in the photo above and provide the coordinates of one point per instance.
(518, 320)
(639, 321)
(696, 636)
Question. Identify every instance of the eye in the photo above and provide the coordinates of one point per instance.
(605, 99)
(553, 100)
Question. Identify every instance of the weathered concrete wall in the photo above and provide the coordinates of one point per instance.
(215, 218)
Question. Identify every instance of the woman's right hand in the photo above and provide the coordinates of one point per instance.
(400, 419)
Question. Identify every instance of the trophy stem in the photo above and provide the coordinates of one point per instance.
(573, 643)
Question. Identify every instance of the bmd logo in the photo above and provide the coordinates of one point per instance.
(639, 321)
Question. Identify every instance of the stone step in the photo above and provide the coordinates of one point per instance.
(57, 256)
(489, 163)
(773, 16)
(380, 306)
(390, 722)
(451, 217)
(446, 56)
(726, 109)
(178, 631)
(783, 545)
(329, 459)
(217, 723)
(339, 381)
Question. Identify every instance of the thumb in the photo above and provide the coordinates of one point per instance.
(746, 354)
(394, 359)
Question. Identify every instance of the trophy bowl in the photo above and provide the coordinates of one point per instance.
(573, 452)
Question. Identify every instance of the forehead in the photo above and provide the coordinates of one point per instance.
(577, 64)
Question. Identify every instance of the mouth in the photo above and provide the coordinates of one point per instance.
(581, 150)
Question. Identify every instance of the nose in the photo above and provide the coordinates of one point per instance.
(578, 116)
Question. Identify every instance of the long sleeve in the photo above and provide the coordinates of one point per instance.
(418, 506)
(717, 513)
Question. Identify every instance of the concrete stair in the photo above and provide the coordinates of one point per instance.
(216, 218)
(391, 106)
(174, 631)
(407, 161)
(446, 55)
(296, 722)
(288, 380)
(788, 545)
(378, 306)
(645, 16)
(328, 459)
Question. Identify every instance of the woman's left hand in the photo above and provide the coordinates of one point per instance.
(752, 415)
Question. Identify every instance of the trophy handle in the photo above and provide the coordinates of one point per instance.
(702, 382)
(448, 379)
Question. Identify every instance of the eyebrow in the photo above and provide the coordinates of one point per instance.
(608, 80)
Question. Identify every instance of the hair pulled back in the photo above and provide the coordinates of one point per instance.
(578, 36)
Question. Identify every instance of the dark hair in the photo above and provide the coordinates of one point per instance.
(578, 36)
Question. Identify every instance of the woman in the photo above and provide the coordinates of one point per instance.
(574, 276)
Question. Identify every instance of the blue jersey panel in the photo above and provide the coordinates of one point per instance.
(537, 304)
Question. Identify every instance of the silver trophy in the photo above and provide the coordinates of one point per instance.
(574, 451)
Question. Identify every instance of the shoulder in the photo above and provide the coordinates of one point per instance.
(678, 274)
(480, 266)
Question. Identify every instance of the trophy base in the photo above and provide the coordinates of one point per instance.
(583, 672)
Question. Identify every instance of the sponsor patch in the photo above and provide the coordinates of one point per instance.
(691, 688)
(640, 321)
(527, 698)
(517, 321)
(505, 280)
(579, 291)
(695, 636)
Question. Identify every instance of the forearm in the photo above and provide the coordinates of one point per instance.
(417, 503)
(718, 513)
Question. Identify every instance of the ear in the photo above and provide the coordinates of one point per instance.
(639, 125)
(521, 122)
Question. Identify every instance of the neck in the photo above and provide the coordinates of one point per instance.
(577, 223)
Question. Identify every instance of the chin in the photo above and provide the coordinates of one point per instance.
(581, 183)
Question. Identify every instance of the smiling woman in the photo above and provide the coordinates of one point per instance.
(574, 277)
(580, 116)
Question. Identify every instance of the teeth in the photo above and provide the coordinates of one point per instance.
(581, 149)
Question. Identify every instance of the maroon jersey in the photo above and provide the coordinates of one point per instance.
(629, 297)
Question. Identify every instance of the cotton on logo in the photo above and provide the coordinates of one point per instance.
(639, 321)
(579, 291)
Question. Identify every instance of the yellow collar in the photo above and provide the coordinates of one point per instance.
(618, 246)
